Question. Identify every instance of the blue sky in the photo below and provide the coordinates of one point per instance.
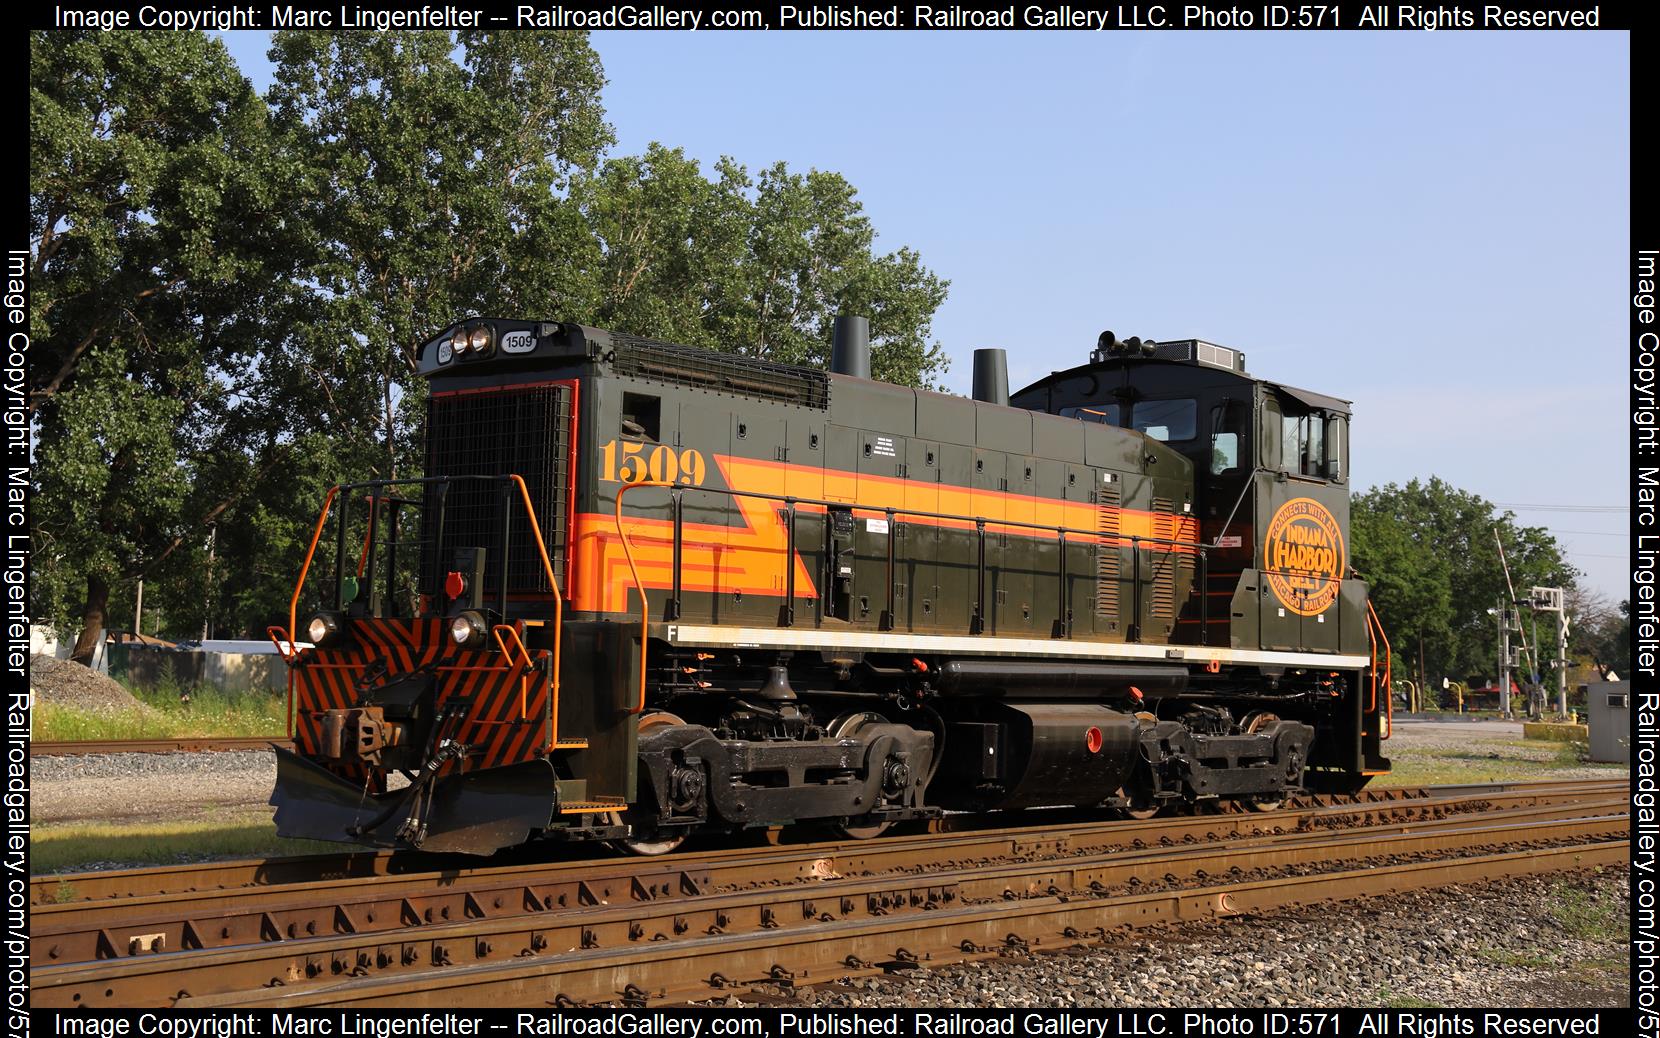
(1433, 225)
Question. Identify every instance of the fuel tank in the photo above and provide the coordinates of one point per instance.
(1016, 754)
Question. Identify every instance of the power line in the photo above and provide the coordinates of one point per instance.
(1561, 508)
(1590, 533)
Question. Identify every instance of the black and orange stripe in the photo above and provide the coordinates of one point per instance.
(506, 706)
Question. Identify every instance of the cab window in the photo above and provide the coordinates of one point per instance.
(1172, 421)
(1303, 444)
(1224, 453)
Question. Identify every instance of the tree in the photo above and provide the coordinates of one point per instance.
(156, 237)
(435, 190)
(1430, 552)
(759, 266)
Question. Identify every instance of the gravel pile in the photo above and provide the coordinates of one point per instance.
(1533, 941)
(64, 683)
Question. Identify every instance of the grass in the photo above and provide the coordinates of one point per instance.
(56, 848)
(1510, 958)
(1581, 913)
(1425, 767)
(168, 711)
(1389, 1000)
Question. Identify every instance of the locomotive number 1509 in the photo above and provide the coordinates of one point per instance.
(633, 462)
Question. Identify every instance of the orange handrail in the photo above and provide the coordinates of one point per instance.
(518, 643)
(316, 535)
(558, 606)
(299, 587)
(278, 636)
(289, 655)
(634, 571)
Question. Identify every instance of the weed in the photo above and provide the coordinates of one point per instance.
(167, 711)
(1389, 1000)
(1582, 914)
(1504, 957)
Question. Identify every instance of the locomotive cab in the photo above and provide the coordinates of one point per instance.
(1271, 485)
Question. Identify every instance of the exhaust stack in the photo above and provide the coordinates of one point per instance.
(991, 376)
(850, 347)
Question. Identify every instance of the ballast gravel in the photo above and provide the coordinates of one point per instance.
(1529, 942)
(104, 787)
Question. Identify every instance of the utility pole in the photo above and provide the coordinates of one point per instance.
(138, 609)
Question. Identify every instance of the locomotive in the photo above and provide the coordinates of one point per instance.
(644, 590)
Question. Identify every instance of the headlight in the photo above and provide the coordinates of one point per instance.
(479, 340)
(322, 628)
(468, 629)
(458, 341)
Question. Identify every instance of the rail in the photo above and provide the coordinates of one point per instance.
(508, 483)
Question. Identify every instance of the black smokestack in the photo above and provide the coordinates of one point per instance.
(850, 347)
(991, 376)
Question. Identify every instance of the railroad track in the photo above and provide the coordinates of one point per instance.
(700, 924)
(265, 872)
(80, 747)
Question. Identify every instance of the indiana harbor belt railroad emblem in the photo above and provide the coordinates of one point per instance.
(1303, 556)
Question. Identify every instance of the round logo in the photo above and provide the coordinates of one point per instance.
(1303, 556)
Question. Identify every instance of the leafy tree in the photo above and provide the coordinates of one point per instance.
(759, 265)
(156, 235)
(230, 291)
(434, 190)
(1599, 632)
(1429, 549)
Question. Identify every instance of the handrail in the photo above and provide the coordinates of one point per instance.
(527, 664)
(1137, 543)
(535, 527)
(316, 534)
(288, 655)
(558, 605)
(634, 571)
(1388, 672)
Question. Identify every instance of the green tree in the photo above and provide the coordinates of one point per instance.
(157, 234)
(1429, 550)
(435, 188)
(756, 265)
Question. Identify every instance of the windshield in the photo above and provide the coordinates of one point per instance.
(1168, 420)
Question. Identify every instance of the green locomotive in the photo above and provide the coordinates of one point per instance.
(646, 589)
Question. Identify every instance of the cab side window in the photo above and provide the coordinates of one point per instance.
(1303, 445)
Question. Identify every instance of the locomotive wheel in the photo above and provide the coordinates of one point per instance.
(1140, 806)
(647, 844)
(842, 728)
(1255, 723)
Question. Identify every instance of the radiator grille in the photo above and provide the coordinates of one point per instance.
(510, 431)
(1163, 558)
(1166, 562)
(1108, 553)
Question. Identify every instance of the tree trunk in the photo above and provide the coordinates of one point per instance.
(92, 619)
